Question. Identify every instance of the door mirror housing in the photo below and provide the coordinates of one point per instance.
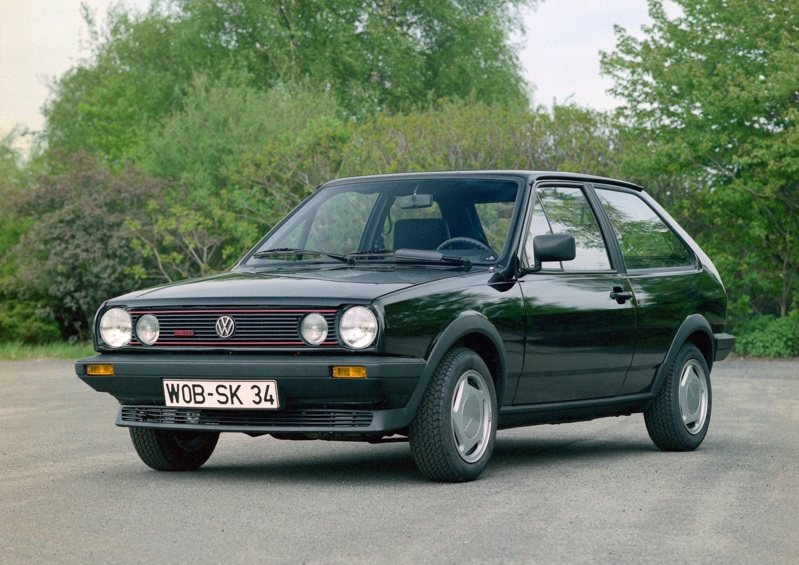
(553, 247)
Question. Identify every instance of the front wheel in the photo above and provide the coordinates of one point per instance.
(679, 417)
(452, 435)
(166, 450)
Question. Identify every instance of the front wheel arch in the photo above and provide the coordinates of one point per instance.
(474, 331)
(453, 432)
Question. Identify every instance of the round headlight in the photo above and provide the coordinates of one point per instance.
(116, 328)
(358, 327)
(314, 329)
(148, 329)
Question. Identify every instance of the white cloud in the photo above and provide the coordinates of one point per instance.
(564, 38)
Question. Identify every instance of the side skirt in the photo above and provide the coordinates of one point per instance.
(575, 411)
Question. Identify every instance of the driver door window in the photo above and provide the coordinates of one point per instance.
(565, 209)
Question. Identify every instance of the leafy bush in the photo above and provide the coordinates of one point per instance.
(78, 250)
(27, 322)
(767, 336)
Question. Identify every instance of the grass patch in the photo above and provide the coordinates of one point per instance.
(17, 351)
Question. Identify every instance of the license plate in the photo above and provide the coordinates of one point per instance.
(221, 394)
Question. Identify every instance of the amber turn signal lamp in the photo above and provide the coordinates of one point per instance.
(100, 370)
(348, 372)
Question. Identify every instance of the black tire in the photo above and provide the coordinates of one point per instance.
(166, 450)
(679, 417)
(436, 435)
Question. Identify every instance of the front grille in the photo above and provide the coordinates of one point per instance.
(253, 327)
(315, 418)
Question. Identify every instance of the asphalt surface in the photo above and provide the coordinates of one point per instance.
(72, 489)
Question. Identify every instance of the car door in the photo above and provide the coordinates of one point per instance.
(663, 272)
(580, 341)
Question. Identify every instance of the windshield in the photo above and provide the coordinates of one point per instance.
(373, 219)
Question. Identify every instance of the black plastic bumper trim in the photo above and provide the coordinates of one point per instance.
(724, 345)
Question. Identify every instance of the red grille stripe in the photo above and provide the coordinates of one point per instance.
(142, 312)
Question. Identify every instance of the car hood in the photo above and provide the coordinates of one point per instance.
(315, 285)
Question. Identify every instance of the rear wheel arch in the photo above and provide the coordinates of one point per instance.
(679, 416)
(704, 342)
(695, 329)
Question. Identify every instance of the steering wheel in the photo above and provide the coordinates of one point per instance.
(464, 243)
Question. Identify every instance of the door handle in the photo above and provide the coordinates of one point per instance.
(620, 295)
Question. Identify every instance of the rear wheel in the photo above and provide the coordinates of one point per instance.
(452, 435)
(166, 450)
(680, 415)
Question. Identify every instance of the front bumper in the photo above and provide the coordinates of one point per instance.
(312, 401)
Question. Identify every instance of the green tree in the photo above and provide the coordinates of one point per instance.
(371, 55)
(137, 73)
(206, 218)
(13, 182)
(452, 136)
(200, 144)
(712, 101)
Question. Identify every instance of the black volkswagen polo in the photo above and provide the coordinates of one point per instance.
(438, 307)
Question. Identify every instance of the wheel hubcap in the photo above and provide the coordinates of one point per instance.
(471, 416)
(693, 397)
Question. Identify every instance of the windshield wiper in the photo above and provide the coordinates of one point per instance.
(296, 251)
(432, 257)
(373, 254)
(419, 256)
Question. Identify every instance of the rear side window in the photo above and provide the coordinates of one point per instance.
(646, 241)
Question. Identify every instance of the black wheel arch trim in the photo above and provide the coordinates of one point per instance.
(466, 324)
(695, 324)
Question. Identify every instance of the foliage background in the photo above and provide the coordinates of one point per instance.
(196, 125)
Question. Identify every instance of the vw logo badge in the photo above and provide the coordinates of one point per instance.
(225, 326)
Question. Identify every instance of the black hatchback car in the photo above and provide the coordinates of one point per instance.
(438, 307)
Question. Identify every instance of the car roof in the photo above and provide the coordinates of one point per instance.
(529, 176)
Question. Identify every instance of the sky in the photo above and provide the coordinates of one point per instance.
(42, 39)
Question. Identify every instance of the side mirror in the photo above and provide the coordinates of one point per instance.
(553, 247)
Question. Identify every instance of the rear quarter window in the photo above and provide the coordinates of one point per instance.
(646, 241)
